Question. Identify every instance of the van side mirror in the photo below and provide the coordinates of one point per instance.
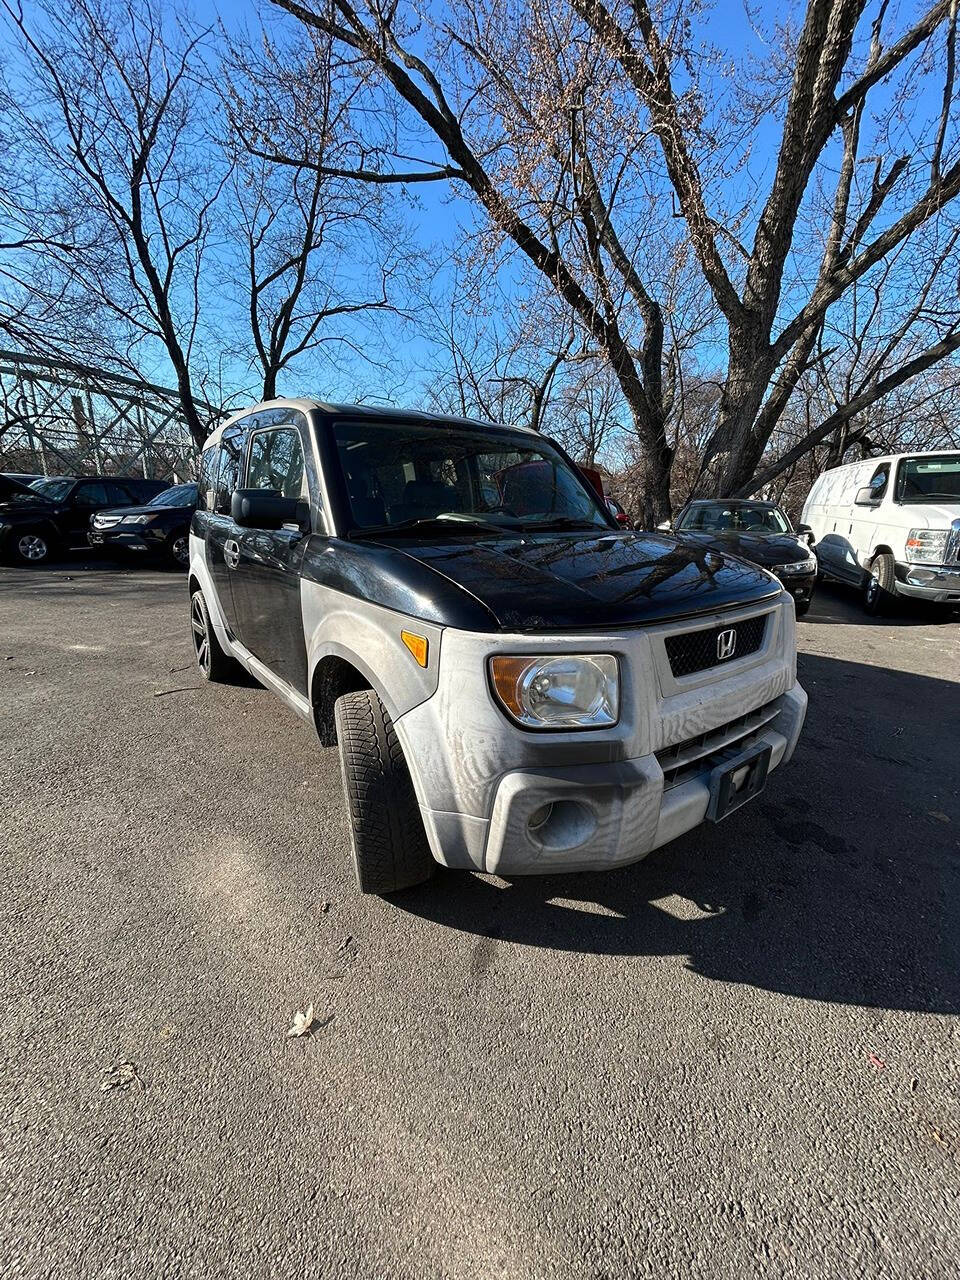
(867, 497)
(264, 509)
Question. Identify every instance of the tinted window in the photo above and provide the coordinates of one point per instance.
(228, 472)
(180, 495)
(276, 462)
(933, 479)
(395, 474)
(118, 496)
(55, 490)
(92, 494)
(720, 517)
(878, 481)
(207, 483)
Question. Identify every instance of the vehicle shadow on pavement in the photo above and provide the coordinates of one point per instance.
(833, 603)
(842, 883)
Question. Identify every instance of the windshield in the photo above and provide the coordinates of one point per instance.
(402, 475)
(180, 495)
(726, 517)
(55, 490)
(930, 479)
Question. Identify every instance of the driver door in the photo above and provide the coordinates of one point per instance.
(266, 579)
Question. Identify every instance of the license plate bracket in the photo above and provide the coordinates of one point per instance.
(738, 780)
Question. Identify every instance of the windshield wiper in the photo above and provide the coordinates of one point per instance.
(434, 524)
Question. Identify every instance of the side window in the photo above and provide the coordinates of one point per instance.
(207, 478)
(91, 495)
(276, 462)
(228, 473)
(119, 496)
(878, 481)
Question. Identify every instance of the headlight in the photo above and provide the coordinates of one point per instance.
(137, 519)
(575, 691)
(797, 567)
(927, 544)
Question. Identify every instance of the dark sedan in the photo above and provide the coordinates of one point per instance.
(159, 528)
(756, 531)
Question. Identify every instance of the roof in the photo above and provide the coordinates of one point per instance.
(373, 412)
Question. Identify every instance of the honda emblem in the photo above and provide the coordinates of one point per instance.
(726, 644)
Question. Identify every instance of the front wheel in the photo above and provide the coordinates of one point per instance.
(880, 589)
(390, 849)
(213, 663)
(801, 607)
(178, 548)
(32, 546)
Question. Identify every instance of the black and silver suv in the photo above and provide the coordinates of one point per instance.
(516, 685)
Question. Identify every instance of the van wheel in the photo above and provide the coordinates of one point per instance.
(214, 664)
(880, 589)
(390, 849)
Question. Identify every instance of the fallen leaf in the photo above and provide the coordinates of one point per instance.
(302, 1022)
(324, 908)
(121, 1076)
(940, 817)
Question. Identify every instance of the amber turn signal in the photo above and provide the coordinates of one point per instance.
(417, 645)
(507, 673)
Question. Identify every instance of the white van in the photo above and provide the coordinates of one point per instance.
(891, 526)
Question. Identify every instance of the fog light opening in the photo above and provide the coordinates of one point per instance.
(562, 824)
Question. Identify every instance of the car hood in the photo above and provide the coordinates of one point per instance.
(760, 548)
(553, 581)
(144, 509)
(932, 515)
(23, 502)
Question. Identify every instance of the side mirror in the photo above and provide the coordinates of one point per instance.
(264, 509)
(665, 526)
(804, 531)
(866, 497)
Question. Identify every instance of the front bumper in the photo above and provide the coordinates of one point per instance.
(497, 798)
(120, 539)
(801, 588)
(938, 583)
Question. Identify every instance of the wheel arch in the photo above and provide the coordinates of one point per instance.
(335, 674)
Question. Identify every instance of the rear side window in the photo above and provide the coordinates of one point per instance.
(228, 473)
(91, 495)
(878, 481)
(276, 462)
(207, 478)
(119, 495)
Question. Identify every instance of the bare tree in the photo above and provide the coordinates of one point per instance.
(321, 254)
(566, 126)
(108, 107)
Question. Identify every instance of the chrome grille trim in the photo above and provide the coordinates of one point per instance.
(951, 552)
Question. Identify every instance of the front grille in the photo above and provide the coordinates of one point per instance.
(106, 522)
(695, 756)
(694, 651)
(951, 553)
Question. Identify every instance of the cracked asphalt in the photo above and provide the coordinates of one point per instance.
(738, 1058)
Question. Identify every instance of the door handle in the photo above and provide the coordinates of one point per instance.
(231, 553)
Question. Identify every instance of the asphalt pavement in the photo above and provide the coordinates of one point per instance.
(738, 1058)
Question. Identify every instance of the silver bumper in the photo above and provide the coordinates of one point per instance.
(939, 583)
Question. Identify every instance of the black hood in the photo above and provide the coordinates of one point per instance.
(546, 581)
(145, 509)
(760, 548)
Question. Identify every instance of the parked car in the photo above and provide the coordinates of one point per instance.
(891, 527)
(759, 532)
(52, 515)
(160, 527)
(511, 692)
(22, 477)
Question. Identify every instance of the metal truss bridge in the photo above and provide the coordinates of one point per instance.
(62, 418)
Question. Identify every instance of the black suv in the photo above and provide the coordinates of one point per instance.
(759, 532)
(51, 516)
(160, 527)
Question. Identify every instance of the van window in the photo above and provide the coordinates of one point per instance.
(931, 479)
(228, 472)
(878, 481)
(207, 478)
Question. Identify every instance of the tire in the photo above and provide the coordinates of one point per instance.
(801, 609)
(178, 548)
(33, 547)
(880, 589)
(390, 849)
(213, 664)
